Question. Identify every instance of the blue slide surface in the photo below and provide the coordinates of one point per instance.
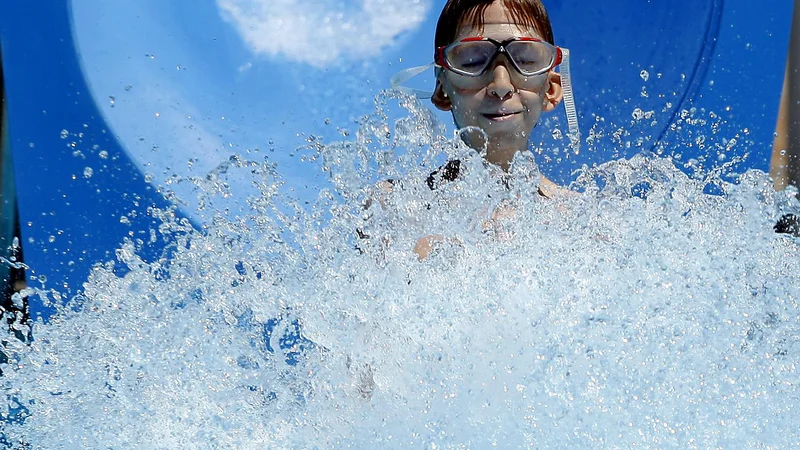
(75, 180)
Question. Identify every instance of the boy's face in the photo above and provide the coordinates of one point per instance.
(504, 104)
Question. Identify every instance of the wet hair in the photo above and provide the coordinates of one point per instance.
(458, 13)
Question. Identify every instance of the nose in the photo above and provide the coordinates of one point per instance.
(501, 86)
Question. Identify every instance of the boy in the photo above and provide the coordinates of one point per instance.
(495, 62)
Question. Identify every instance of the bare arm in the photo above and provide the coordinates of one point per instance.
(785, 165)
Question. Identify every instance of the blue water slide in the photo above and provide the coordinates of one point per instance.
(70, 216)
(724, 58)
(641, 66)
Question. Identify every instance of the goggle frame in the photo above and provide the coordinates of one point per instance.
(440, 55)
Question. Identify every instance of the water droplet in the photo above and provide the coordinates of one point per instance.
(639, 114)
(112, 100)
(88, 172)
(124, 220)
(128, 87)
(64, 134)
(103, 154)
(148, 177)
(700, 140)
(645, 75)
(51, 239)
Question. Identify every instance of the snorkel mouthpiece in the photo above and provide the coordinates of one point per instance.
(574, 133)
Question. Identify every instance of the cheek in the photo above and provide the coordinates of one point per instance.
(534, 99)
(465, 104)
(533, 104)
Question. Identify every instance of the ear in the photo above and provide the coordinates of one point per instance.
(440, 98)
(554, 92)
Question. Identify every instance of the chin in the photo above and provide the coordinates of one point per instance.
(506, 131)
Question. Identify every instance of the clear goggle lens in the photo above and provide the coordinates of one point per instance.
(473, 58)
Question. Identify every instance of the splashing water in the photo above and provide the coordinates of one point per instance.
(640, 313)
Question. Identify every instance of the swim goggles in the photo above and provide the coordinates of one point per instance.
(471, 58)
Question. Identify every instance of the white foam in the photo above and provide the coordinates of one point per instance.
(600, 320)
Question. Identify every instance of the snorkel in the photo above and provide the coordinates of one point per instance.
(400, 78)
(569, 102)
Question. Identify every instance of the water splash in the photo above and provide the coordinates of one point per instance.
(640, 312)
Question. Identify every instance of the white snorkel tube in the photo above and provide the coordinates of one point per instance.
(574, 133)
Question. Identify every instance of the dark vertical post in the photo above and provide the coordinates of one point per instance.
(12, 276)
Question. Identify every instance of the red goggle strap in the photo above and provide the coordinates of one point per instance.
(438, 56)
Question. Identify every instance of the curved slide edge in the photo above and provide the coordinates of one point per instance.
(74, 181)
